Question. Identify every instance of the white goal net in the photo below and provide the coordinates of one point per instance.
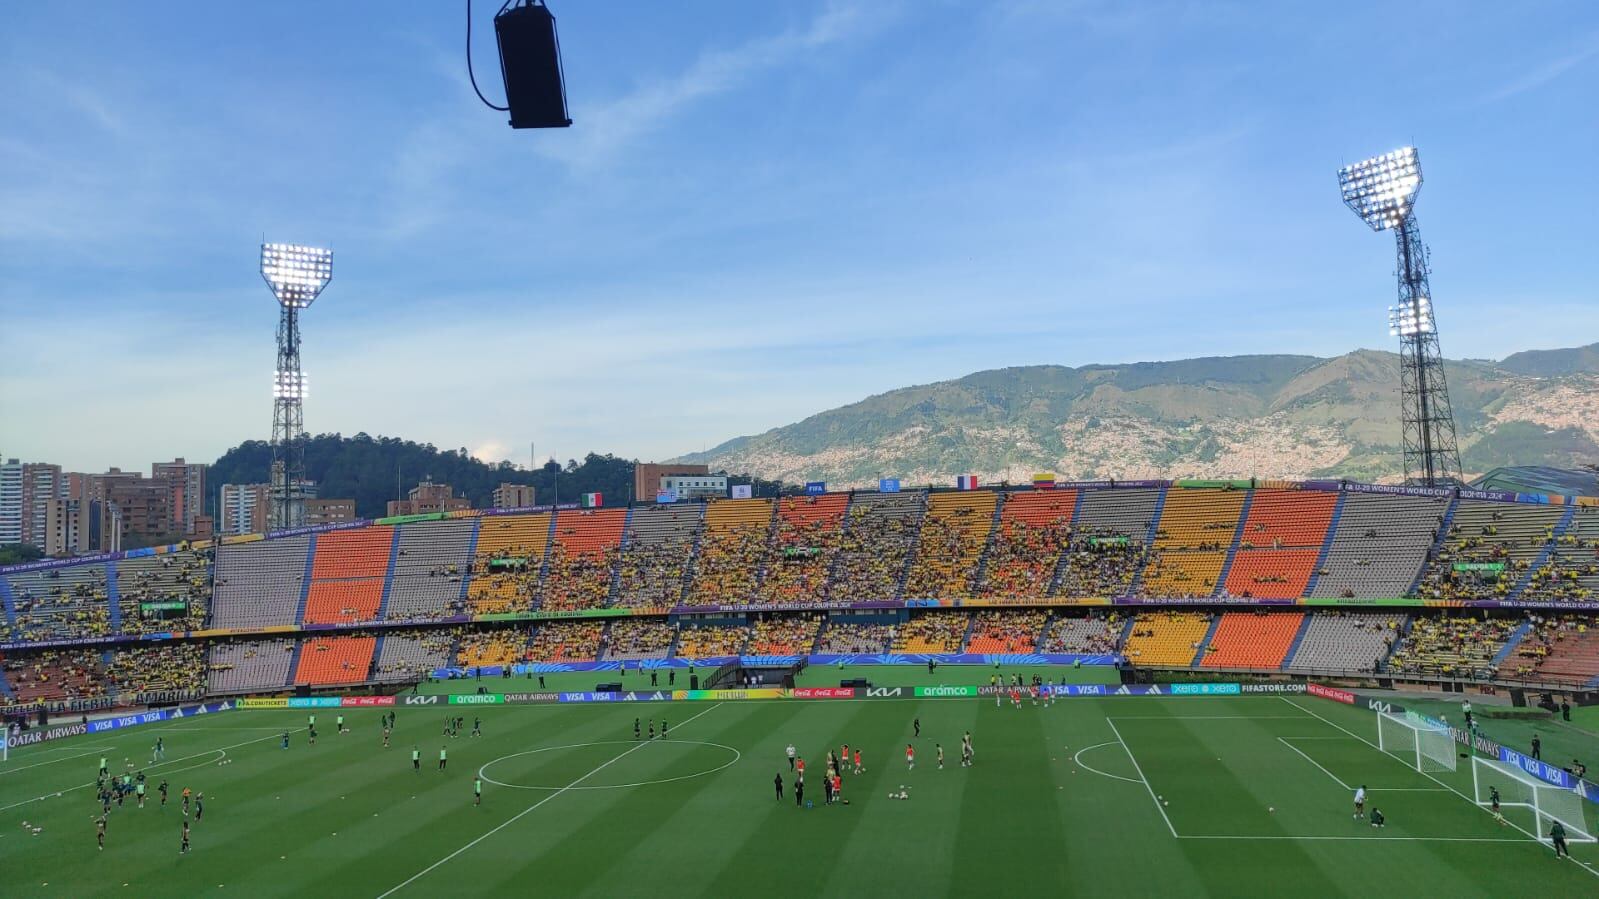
(1421, 746)
(1519, 790)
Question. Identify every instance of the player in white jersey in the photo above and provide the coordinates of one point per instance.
(1360, 801)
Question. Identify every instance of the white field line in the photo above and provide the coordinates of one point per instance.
(223, 750)
(1378, 839)
(1207, 717)
(1078, 759)
(1534, 837)
(524, 813)
(1136, 767)
(65, 758)
(1285, 742)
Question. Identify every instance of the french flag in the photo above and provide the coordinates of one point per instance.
(966, 482)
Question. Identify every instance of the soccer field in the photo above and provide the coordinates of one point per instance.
(1113, 796)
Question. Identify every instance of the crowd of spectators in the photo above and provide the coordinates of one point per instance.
(652, 574)
(947, 553)
(1542, 639)
(1100, 563)
(170, 668)
(1452, 646)
(577, 579)
(639, 638)
(1021, 559)
(854, 638)
(782, 635)
(434, 645)
(1096, 633)
(492, 646)
(934, 632)
(566, 641)
(506, 581)
(729, 565)
(54, 675)
(60, 603)
(872, 554)
(802, 552)
(1006, 630)
(711, 641)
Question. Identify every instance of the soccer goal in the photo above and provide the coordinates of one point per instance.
(1419, 745)
(1520, 790)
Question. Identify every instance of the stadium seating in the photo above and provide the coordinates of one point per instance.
(54, 675)
(1572, 571)
(1006, 630)
(954, 532)
(411, 656)
(711, 641)
(1169, 638)
(931, 632)
(655, 563)
(566, 641)
(1191, 541)
(1033, 528)
(327, 661)
(259, 584)
(430, 564)
(183, 576)
(60, 603)
(1280, 542)
(879, 536)
(737, 532)
(1126, 511)
(506, 563)
(639, 638)
(483, 647)
(1451, 646)
(1346, 641)
(809, 532)
(347, 573)
(246, 666)
(784, 635)
(1563, 648)
(1101, 564)
(1510, 536)
(588, 543)
(167, 672)
(1379, 545)
(1257, 639)
(1090, 634)
(841, 636)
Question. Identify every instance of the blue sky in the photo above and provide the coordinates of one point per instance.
(763, 210)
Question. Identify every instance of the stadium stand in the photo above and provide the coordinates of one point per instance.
(1571, 573)
(879, 535)
(60, 603)
(566, 641)
(1092, 634)
(1346, 641)
(1125, 511)
(1191, 541)
(165, 673)
(655, 562)
(1100, 564)
(1452, 646)
(259, 583)
(931, 632)
(507, 561)
(1562, 648)
(1006, 630)
(1280, 542)
(1509, 536)
(183, 576)
(482, 647)
(410, 656)
(588, 543)
(784, 635)
(737, 532)
(711, 641)
(1256, 639)
(347, 573)
(54, 675)
(809, 532)
(1379, 545)
(246, 666)
(430, 564)
(327, 661)
(841, 636)
(639, 638)
(1022, 553)
(1170, 638)
(954, 532)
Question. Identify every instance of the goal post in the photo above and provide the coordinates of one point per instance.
(1423, 747)
(1519, 790)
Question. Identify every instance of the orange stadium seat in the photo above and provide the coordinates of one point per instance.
(335, 660)
(347, 575)
(803, 547)
(1191, 540)
(1033, 529)
(1252, 639)
(588, 543)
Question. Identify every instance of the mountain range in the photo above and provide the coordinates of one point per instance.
(1272, 416)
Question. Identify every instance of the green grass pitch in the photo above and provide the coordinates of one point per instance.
(1115, 797)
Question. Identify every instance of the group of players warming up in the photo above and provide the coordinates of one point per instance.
(846, 758)
(118, 788)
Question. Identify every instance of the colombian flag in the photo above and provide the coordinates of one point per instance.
(1044, 480)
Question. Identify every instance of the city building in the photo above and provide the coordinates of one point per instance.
(328, 511)
(703, 486)
(243, 508)
(10, 502)
(76, 527)
(41, 484)
(186, 481)
(513, 496)
(647, 477)
(428, 497)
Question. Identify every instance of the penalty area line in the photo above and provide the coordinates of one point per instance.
(1078, 758)
(1140, 770)
(525, 812)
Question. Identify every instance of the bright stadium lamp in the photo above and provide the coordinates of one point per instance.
(1382, 191)
(296, 274)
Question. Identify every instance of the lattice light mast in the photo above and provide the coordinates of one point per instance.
(296, 275)
(1382, 191)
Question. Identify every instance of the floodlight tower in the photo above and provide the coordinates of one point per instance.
(296, 275)
(1382, 191)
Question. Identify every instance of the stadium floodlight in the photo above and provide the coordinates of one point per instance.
(296, 274)
(1382, 190)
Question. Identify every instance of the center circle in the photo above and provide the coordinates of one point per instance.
(732, 756)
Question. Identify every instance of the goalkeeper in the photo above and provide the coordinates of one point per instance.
(1557, 835)
(1377, 819)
